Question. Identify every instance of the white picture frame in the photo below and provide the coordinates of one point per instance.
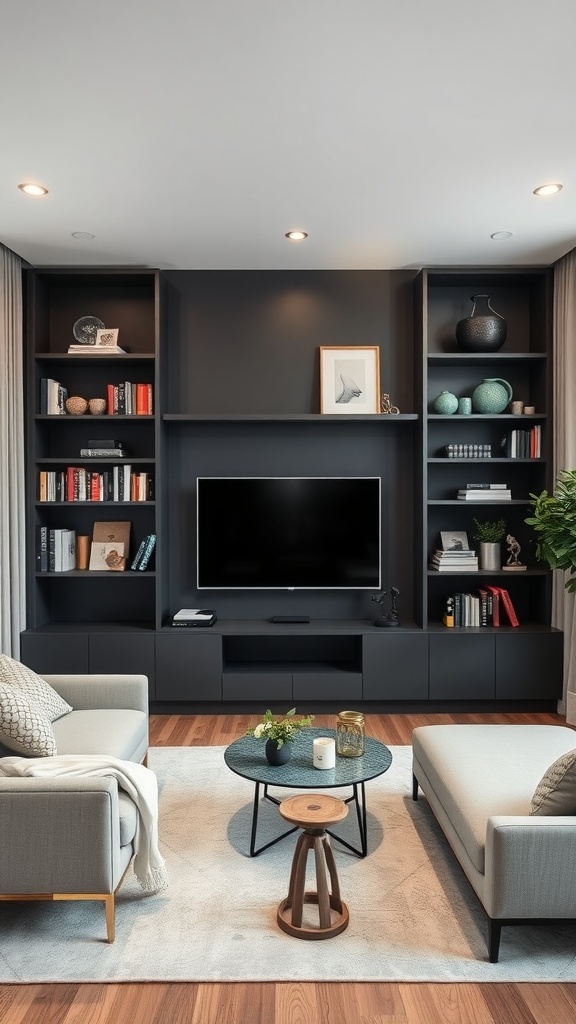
(107, 337)
(349, 379)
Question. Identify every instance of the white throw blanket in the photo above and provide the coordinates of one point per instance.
(137, 781)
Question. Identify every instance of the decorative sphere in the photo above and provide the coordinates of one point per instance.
(446, 404)
(76, 406)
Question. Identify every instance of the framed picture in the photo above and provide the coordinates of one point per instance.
(350, 379)
(107, 337)
(454, 540)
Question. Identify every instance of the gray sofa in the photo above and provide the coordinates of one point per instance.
(71, 838)
(479, 781)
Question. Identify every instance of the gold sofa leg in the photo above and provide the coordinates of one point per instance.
(107, 898)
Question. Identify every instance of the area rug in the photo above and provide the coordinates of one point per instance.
(413, 916)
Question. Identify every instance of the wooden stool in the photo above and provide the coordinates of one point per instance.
(313, 813)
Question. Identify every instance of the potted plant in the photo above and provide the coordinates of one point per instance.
(489, 535)
(279, 731)
(554, 521)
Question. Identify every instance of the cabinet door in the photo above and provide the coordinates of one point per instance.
(124, 652)
(257, 685)
(395, 665)
(529, 666)
(328, 685)
(55, 653)
(462, 666)
(188, 666)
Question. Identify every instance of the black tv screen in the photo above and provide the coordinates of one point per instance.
(288, 533)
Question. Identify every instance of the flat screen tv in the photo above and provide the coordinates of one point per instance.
(288, 533)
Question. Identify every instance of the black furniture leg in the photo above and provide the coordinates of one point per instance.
(414, 787)
(253, 851)
(494, 931)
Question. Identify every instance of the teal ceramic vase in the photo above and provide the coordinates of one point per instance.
(446, 404)
(491, 396)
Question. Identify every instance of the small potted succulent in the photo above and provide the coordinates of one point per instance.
(279, 731)
(489, 535)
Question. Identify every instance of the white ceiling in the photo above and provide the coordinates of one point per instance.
(193, 134)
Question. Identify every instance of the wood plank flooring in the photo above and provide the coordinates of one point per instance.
(293, 1003)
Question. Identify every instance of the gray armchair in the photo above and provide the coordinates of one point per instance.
(72, 838)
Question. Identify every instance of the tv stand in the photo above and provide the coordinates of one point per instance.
(289, 618)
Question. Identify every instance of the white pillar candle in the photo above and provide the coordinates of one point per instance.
(324, 752)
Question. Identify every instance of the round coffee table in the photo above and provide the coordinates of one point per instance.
(246, 757)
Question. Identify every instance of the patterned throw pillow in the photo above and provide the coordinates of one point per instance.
(41, 695)
(23, 727)
(556, 791)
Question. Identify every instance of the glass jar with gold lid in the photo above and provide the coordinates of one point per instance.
(350, 734)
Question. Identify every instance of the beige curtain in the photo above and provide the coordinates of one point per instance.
(12, 505)
(564, 605)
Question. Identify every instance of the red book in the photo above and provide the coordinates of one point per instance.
(495, 591)
(70, 496)
(508, 606)
(110, 396)
(141, 400)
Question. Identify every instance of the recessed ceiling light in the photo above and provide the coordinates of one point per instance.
(32, 189)
(296, 236)
(501, 235)
(84, 236)
(547, 190)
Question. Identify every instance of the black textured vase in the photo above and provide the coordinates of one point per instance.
(276, 755)
(484, 330)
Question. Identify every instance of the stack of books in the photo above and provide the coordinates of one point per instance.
(454, 561)
(523, 444)
(103, 448)
(485, 492)
(486, 608)
(55, 549)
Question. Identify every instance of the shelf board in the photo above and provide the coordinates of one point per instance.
(486, 572)
(487, 416)
(95, 574)
(488, 460)
(473, 504)
(461, 358)
(91, 504)
(106, 459)
(183, 417)
(78, 357)
(68, 416)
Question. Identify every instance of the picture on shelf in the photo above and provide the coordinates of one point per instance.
(107, 337)
(350, 379)
(107, 557)
(454, 540)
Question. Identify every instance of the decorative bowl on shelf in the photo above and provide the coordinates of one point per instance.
(76, 405)
(85, 329)
(97, 406)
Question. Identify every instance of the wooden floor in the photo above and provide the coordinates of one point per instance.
(293, 1003)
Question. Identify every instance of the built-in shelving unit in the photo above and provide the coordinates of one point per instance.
(233, 360)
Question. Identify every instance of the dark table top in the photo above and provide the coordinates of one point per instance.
(246, 757)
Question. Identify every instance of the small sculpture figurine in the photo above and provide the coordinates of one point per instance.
(513, 563)
(392, 618)
(386, 407)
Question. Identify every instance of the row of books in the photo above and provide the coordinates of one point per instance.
(128, 399)
(490, 606)
(77, 483)
(467, 451)
(144, 552)
(523, 444)
(123, 399)
(55, 549)
(465, 560)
